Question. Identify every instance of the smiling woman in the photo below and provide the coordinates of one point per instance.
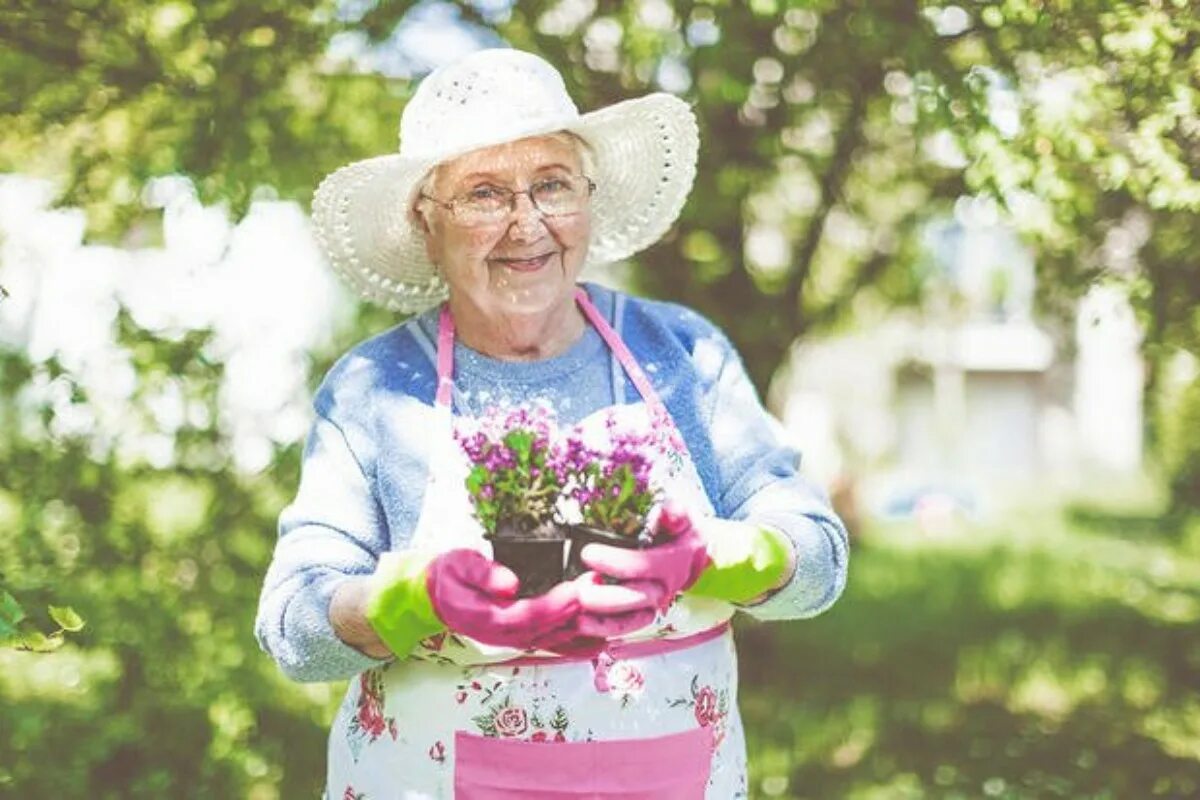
(621, 683)
(511, 243)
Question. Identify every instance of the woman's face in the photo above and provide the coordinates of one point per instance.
(523, 263)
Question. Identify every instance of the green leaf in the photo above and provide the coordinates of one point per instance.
(38, 642)
(477, 478)
(521, 443)
(67, 618)
(11, 611)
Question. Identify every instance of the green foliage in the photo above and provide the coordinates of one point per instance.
(616, 501)
(1038, 659)
(1181, 448)
(832, 131)
(11, 614)
(164, 692)
(20, 633)
(509, 480)
(105, 96)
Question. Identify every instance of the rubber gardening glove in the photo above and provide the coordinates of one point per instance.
(611, 610)
(416, 597)
(657, 573)
(746, 561)
(740, 561)
(607, 611)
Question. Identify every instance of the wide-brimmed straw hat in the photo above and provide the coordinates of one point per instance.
(643, 154)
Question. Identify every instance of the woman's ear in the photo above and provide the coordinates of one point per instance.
(417, 215)
(419, 210)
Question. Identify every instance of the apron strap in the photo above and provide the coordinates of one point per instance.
(445, 354)
(658, 410)
(632, 368)
(445, 357)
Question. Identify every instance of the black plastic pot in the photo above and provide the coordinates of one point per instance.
(534, 554)
(583, 535)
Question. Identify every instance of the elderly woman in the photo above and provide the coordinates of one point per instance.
(499, 196)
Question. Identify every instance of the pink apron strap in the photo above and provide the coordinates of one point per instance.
(445, 356)
(658, 410)
(624, 356)
(619, 651)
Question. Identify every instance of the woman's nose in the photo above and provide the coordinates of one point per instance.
(527, 222)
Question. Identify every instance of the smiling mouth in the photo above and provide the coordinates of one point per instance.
(531, 264)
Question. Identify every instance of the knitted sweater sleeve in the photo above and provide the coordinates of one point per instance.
(759, 481)
(333, 529)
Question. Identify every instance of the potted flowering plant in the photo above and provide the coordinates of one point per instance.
(613, 491)
(515, 481)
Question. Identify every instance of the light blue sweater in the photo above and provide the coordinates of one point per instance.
(364, 470)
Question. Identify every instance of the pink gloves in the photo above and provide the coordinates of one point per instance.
(476, 597)
(735, 561)
(413, 597)
(648, 579)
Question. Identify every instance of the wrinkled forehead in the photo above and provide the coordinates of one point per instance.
(511, 161)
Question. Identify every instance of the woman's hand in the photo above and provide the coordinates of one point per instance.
(413, 596)
(477, 597)
(735, 561)
(657, 573)
(606, 611)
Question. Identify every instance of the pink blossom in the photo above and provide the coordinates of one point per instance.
(370, 718)
(511, 721)
(626, 678)
(706, 706)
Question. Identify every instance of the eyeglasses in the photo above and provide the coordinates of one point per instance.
(488, 205)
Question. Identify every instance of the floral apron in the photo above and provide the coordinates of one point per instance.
(654, 716)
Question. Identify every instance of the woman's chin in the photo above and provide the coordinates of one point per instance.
(527, 301)
(530, 292)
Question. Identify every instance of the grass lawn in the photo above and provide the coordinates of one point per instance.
(1057, 655)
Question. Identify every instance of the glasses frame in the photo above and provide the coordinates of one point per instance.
(455, 203)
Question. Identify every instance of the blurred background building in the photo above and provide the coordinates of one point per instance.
(970, 402)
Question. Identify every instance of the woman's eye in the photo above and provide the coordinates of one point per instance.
(483, 193)
(551, 186)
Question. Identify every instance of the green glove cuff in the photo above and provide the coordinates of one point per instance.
(399, 608)
(745, 563)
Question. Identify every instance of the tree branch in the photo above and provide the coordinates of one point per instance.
(830, 189)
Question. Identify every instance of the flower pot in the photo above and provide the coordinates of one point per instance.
(534, 554)
(583, 535)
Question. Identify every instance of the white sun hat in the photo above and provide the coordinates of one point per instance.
(643, 153)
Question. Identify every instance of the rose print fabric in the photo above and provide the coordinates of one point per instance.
(393, 736)
(647, 696)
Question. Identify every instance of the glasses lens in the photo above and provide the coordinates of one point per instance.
(484, 204)
(556, 196)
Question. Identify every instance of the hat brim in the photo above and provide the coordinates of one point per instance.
(644, 156)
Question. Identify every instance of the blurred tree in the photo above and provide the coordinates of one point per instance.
(832, 131)
(104, 96)
(164, 694)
